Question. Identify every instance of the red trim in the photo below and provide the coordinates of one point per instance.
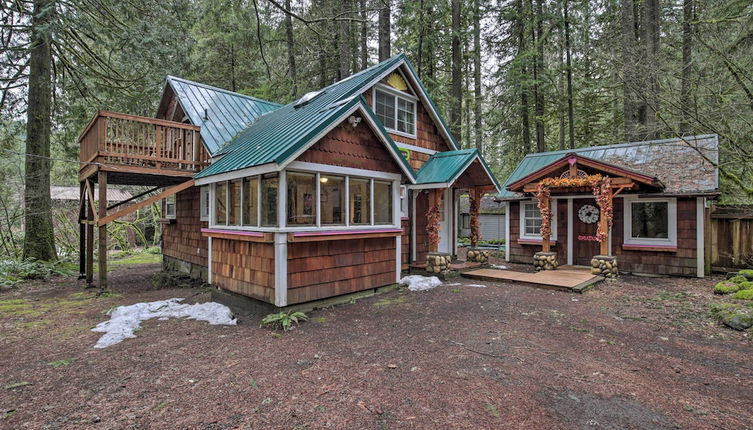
(586, 161)
(345, 232)
(236, 232)
(655, 248)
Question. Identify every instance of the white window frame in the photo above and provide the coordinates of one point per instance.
(204, 195)
(174, 198)
(397, 94)
(403, 201)
(322, 169)
(537, 237)
(628, 239)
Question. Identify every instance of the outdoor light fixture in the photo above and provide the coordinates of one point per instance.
(323, 179)
(354, 120)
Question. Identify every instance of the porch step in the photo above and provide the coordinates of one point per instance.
(572, 280)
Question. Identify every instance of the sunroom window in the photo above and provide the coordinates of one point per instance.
(251, 201)
(360, 201)
(332, 199)
(269, 186)
(220, 203)
(301, 198)
(234, 202)
(382, 202)
(396, 113)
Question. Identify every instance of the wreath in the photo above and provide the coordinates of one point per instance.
(602, 191)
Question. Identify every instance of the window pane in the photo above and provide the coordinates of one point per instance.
(251, 201)
(360, 207)
(405, 117)
(301, 195)
(204, 207)
(170, 206)
(234, 205)
(385, 108)
(532, 221)
(220, 202)
(382, 202)
(269, 201)
(332, 199)
(650, 220)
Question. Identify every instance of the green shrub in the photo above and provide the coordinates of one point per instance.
(154, 250)
(747, 285)
(748, 273)
(726, 287)
(283, 320)
(738, 279)
(13, 272)
(743, 295)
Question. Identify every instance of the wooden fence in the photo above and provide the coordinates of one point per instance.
(731, 237)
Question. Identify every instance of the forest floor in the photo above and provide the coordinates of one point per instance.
(635, 353)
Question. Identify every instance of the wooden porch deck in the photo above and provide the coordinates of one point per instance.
(565, 278)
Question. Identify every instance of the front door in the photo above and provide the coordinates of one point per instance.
(585, 224)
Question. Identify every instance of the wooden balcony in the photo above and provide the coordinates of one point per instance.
(137, 150)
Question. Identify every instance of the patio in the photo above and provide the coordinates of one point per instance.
(565, 278)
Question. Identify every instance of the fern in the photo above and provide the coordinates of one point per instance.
(283, 320)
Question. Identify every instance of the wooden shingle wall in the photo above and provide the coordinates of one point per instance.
(347, 146)
(330, 268)
(181, 238)
(244, 267)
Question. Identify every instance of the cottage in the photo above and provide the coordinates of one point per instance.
(641, 207)
(335, 193)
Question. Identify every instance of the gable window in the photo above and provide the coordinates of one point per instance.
(170, 207)
(530, 220)
(397, 112)
(651, 222)
(204, 205)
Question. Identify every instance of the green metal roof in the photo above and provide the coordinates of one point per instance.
(227, 113)
(284, 132)
(444, 167)
(676, 163)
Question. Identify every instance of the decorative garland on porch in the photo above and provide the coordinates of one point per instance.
(602, 191)
(432, 227)
(475, 223)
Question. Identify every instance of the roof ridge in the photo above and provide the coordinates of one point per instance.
(213, 88)
(622, 145)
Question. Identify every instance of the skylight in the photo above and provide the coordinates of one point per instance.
(307, 98)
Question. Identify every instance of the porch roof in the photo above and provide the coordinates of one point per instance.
(683, 165)
(446, 167)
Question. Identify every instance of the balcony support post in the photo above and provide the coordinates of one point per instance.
(102, 180)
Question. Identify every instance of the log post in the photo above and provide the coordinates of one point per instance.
(604, 226)
(102, 211)
(435, 202)
(89, 236)
(545, 246)
(475, 204)
(81, 230)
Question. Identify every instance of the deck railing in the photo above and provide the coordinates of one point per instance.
(116, 138)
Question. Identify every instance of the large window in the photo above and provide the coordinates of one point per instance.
(382, 202)
(301, 194)
(530, 221)
(650, 222)
(220, 203)
(234, 202)
(397, 113)
(251, 201)
(332, 199)
(360, 201)
(269, 186)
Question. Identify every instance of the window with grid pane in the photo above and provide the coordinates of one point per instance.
(406, 120)
(532, 220)
(385, 108)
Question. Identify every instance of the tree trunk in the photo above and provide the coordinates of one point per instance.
(686, 101)
(343, 41)
(291, 50)
(364, 36)
(651, 70)
(538, 65)
(456, 77)
(569, 71)
(477, 75)
(39, 238)
(629, 84)
(524, 106)
(384, 30)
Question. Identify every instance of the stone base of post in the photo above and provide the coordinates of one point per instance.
(438, 262)
(477, 255)
(605, 266)
(545, 261)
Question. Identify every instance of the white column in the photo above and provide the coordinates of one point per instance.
(281, 269)
(570, 235)
(209, 261)
(398, 253)
(700, 236)
(507, 231)
(282, 200)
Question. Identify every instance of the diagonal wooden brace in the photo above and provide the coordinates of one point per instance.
(136, 206)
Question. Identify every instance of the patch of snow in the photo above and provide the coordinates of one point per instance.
(453, 284)
(475, 285)
(420, 283)
(498, 266)
(124, 320)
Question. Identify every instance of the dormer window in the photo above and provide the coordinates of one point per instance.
(397, 111)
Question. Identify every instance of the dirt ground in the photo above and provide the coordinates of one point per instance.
(639, 353)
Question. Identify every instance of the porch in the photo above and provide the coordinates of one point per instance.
(565, 278)
(122, 149)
